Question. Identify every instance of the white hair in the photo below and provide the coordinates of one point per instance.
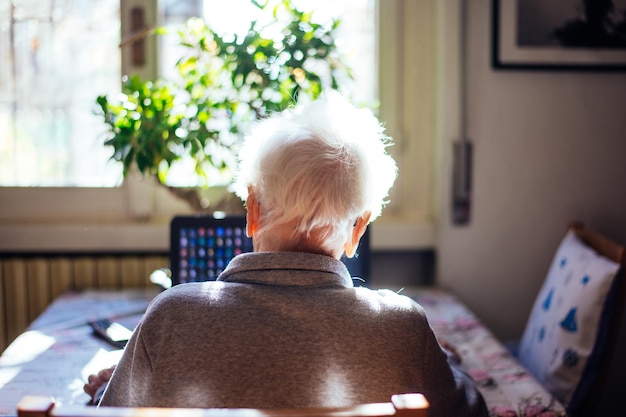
(321, 164)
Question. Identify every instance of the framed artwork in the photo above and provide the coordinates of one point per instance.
(559, 34)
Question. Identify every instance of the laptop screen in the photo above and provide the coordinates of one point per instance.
(202, 246)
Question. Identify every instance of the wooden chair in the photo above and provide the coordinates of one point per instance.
(614, 305)
(401, 405)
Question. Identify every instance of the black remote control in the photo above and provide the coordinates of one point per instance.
(114, 333)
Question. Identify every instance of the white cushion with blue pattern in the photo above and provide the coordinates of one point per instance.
(563, 324)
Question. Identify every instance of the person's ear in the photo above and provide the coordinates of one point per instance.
(253, 213)
(357, 232)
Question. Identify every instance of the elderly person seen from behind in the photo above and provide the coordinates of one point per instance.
(284, 326)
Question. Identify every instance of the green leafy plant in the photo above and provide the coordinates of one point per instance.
(223, 84)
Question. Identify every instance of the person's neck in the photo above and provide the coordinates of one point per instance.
(281, 239)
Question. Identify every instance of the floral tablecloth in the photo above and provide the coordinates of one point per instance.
(508, 389)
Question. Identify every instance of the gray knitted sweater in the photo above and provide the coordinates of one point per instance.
(280, 329)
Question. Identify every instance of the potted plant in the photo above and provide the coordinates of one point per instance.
(222, 86)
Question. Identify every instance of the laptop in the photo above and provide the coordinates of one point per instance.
(201, 247)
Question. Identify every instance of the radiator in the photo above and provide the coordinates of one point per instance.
(29, 284)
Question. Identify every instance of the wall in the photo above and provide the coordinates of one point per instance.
(548, 147)
(398, 269)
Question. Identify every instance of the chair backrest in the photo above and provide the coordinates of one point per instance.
(401, 405)
(617, 253)
(614, 310)
(601, 244)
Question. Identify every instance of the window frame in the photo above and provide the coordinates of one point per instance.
(134, 217)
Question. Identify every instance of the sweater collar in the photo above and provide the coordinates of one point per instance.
(287, 268)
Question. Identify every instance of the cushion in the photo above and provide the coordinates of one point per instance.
(563, 324)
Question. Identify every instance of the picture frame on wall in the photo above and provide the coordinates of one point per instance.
(559, 34)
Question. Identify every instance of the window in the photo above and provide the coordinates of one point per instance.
(395, 37)
(57, 56)
(356, 35)
(62, 54)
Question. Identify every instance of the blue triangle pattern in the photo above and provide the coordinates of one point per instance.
(585, 280)
(569, 322)
(563, 262)
(548, 300)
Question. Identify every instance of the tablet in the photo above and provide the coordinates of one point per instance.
(201, 247)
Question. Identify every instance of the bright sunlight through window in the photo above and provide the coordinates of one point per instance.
(59, 55)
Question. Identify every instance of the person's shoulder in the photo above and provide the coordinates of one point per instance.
(184, 294)
(391, 300)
